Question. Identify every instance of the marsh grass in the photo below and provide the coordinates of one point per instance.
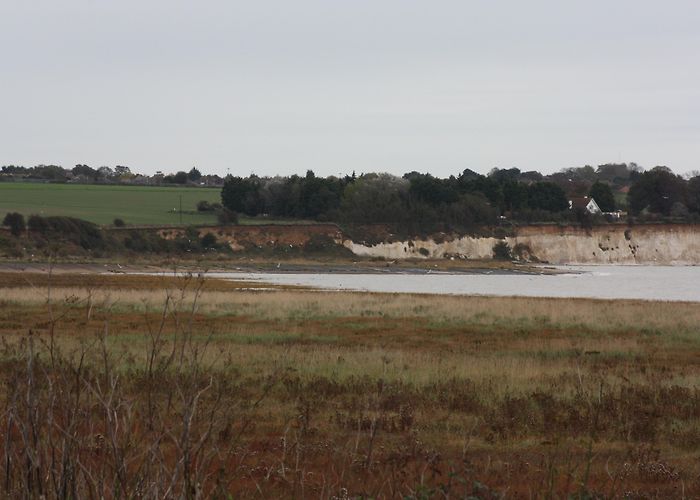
(193, 391)
(604, 315)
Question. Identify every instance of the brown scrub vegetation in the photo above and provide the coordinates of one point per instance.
(127, 385)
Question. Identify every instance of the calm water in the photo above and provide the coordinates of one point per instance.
(681, 283)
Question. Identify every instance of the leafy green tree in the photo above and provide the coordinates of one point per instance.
(487, 186)
(14, 170)
(468, 175)
(280, 196)
(180, 178)
(194, 175)
(470, 211)
(15, 221)
(547, 196)
(420, 218)
(431, 190)
(603, 195)
(502, 175)
(617, 174)
(122, 171)
(694, 194)
(241, 195)
(51, 172)
(656, 190)
(317, 195)
(105, 172)
(86, 171)
(531, 176)
(375, 198)
(233, 193)
(515, 195)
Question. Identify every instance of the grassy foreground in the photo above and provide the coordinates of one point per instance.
(188, 387)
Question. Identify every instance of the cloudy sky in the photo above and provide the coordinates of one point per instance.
(279, 87)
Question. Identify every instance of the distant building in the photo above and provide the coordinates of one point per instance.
(585, 203)
(141, 180)
(617, 214)
(211, 180)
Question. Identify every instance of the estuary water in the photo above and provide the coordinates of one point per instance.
(671, 283)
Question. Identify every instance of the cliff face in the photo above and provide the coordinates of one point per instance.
(648, 244)
(644, 244)
(240, 238)
(467, 247)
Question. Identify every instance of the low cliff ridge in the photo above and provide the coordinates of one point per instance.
(606, 244)
(614, 244)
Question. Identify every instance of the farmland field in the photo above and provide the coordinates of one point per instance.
(101, 204)
(143, 383)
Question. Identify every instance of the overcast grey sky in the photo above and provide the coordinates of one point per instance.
(278, 87)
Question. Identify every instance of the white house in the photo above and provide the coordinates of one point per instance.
(585, 203)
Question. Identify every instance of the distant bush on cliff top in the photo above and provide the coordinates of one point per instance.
(78, 231)
(15, 221)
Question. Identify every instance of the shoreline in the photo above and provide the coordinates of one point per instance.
(286, 267)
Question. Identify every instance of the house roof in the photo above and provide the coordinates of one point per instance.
(580, 201)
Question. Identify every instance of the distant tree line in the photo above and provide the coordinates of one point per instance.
(414, 202)
(120, 174)
(660, 191)
(420, 202)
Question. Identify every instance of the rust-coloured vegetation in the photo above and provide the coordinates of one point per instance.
(124, 386)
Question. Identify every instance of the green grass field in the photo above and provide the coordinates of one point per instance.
(101, 204)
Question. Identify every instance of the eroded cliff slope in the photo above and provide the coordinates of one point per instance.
(613, 244)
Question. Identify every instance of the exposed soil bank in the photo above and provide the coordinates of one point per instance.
(613, 244)
(609, 244)
(661, 244)
(240, 238)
